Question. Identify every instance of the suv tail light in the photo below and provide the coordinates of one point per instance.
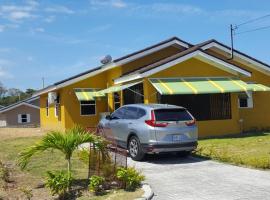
(191, 123)
(152, 122)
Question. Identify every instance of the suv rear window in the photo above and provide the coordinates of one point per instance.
(172, 115)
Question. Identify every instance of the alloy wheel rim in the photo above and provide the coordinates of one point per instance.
(133, 148)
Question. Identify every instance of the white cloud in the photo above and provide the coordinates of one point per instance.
(18, 12)
(108, 3)
(59, 9)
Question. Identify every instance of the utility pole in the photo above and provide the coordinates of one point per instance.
(232, 29)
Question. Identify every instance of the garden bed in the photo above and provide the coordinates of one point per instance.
(31, 181)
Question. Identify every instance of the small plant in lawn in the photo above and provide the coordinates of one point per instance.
(28, 193)
(96, 184)
(130, 178)
(58, 182)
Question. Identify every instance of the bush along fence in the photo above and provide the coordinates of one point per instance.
(107, 164)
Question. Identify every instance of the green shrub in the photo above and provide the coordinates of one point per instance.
(58, 182)
(96, 184)
(130, 178)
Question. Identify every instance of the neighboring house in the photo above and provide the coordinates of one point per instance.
(225, 95)
(22, 113)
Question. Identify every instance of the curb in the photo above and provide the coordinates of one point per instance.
(148, 192)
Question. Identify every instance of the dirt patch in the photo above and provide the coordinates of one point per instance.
(9, 133)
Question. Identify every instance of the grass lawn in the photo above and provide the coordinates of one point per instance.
(32, 178)
(249, 149)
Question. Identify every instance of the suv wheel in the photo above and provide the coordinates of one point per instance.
(135, 149)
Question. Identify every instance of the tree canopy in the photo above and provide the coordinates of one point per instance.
(12, 95)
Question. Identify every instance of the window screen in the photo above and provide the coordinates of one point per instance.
(88, 108)
(202, 106)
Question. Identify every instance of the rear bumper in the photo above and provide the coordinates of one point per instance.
(156, 148)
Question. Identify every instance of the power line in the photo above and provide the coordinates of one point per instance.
(252, 20)
(252, 30)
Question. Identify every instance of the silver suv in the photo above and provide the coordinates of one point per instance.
(151, 128)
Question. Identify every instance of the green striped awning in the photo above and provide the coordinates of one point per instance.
(117, 88)
(258, 88)
(202, 85)
(87, 94)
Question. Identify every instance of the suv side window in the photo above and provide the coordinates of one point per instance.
(141, 113)
(130, 113)
(119, 113)
(134, 113)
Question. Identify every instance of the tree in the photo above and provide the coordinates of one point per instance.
(66, 142)
(30, 91)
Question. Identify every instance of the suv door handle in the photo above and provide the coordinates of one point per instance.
(130, 123)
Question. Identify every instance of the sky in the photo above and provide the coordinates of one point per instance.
(56, 39)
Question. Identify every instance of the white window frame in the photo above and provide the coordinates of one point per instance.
(90, 104)
(47, 108)
(20, 118)
(249, 101)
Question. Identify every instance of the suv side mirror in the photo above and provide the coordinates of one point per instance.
(108, 117)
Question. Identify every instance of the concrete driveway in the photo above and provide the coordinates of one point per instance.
(191, 178)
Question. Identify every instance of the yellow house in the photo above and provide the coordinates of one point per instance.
(226, 95)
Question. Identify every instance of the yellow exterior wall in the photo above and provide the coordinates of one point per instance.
(193, 68)
(256, 118)
(51, 122)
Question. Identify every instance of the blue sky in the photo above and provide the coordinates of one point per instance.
(59, 38)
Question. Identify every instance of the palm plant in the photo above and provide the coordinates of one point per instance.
(66, 142)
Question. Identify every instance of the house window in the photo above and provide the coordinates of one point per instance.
(245, 100)
(88, 108)
(116, 98)
(47, 107)
(24, 118)
(202, 106)
(57, 107)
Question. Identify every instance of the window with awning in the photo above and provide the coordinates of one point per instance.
(203, 85)
(87, 94)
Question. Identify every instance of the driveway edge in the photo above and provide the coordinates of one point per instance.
(148, 192)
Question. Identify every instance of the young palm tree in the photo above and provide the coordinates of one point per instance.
(66, 142)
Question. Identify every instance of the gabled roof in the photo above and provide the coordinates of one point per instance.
(194, 51)
(26, 102)
(114, 63)
(174, 41)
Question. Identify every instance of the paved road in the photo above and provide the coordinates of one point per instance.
(190, 178)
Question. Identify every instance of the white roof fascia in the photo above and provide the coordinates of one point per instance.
(251, 61)
(149, 51)
(198, 54)
(17, 105)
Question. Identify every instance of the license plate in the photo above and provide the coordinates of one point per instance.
(178, 137)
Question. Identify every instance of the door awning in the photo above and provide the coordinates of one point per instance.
(258, 88)
(202, 85)
(87, 94)
(117, 88)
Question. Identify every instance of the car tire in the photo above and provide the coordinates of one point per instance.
(135, 149)
(183, 153)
